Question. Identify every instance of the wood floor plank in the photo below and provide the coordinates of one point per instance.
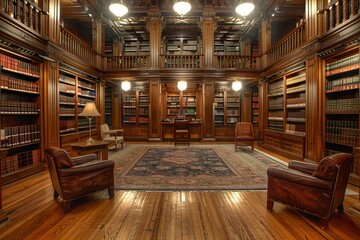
(34, 214)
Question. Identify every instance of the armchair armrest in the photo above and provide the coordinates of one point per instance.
(95, 166)
(303, 166)
(116, 132)
(299, 178)
(83, 159)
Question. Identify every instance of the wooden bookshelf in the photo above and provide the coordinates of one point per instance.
(342, 103)
(226, 110)
(255, 110)
(136, 103)
(133, 47)
(20, 116)
(275, 112)
(108, 105)
(76, 88)
(184, 46)
(295, 102)
(181, 103)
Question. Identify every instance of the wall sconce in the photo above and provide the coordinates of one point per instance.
(244, 8)
(89, 112)
(125, 85)
(118, 8)
(236, 86)
(182, 7)
(182, 85)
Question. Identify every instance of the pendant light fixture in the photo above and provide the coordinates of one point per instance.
(125, 85)
(244, 8)
(236, 86)
(182, 85)
(182, 7)
(118, 8)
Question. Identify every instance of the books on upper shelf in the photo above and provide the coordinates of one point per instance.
(19, 66)
(343, 65)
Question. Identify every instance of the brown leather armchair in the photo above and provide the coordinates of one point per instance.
(311, 188)
(73, 178)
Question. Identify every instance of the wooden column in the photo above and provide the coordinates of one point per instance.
(208, 113)
(155, 109)
(314, 91)
(155, 28)
(208, 28)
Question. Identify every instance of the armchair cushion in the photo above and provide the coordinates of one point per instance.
(327, 170)
(305, 167)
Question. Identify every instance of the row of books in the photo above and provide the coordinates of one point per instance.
(91, 86)
(67, 88)
(218, 112)
(129, 111)
(19, 66)
(18, 135)
(82, 101)
(343, 132)
(129, 99)
(67, 124)
(7, 82)
(255, 99)
(232, 112)
(172, 111)
(299, 120)
(342, 63)
(15, 162)
(236, 99)
(188, 111)
(89, 93)
(66, 79)
(232, 120)
(66, 99)
(341, 105)
(296, 100)
(66, 111)
(298, 88)
(255, 118)
(255, 105)
(296, 114)
(296, 79)
(233, 105)
(343, 84)
(276, 114)
(217, 100)
(143, 111)
(296, 105)
(255, 111)
(17, 107)
(276, 125)
(294, 128)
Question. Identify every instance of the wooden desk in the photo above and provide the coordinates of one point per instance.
(99, 147)
(167, 131)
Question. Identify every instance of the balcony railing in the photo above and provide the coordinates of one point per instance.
(26, 12)
(293, 40)
(338, 12)
(127, 62)
(181, 61)
(236, 61)
(76, 46)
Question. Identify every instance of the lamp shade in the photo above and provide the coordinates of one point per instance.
(236, 86)
(182, 85)
(125, 85)
(244, 8)
(182, 7)
(118, 8)
(90, 110)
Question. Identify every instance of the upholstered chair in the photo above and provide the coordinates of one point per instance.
(114, 137)
(73, 178)
(315, 189)
(244, 135)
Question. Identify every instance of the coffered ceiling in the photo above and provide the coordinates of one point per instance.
(77, 16)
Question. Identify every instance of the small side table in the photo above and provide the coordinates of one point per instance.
(99, 147)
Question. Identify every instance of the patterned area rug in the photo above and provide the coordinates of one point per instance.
(198, 167)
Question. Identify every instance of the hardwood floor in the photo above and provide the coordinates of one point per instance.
(142, 215)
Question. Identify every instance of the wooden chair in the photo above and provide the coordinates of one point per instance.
(76, 177)
(114, 137)
(181, 131)
(244, 135)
